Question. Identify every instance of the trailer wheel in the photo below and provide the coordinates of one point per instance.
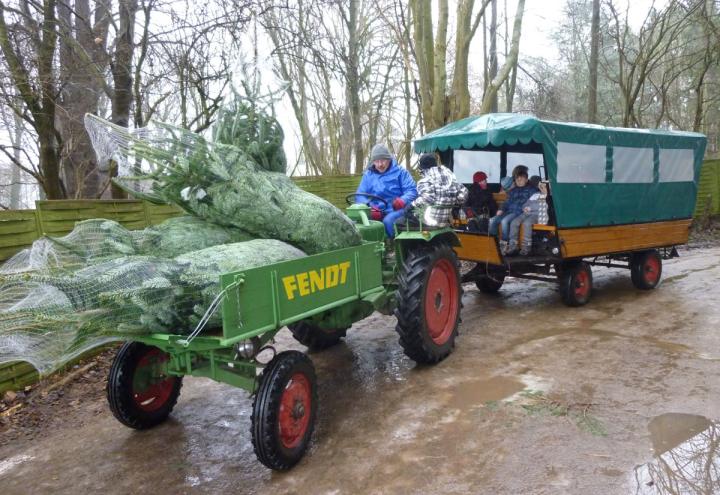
(576, 283)
(489, 285)
(646, 269)
(284, 410)
(314, 337)
(140, 393)
(428, 303)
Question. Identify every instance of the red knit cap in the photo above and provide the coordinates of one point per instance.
(479, 177)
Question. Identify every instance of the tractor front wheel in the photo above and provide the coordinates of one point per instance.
(284, 410)
(490, 284)
(646, 269)
(139, 391)
(314, 337)
(428, 303)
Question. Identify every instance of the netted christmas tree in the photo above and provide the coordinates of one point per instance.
(103, 282)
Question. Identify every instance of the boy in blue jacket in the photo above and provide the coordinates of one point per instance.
(513, 206)
(385, 178)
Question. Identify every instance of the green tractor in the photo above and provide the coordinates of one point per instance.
(318, 298)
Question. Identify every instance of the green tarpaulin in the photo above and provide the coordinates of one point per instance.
(598, 175)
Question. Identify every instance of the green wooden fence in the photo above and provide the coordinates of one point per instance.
(333, 188)
(708, 200)
(18, 229)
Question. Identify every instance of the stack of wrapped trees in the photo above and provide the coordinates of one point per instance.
(103, 282)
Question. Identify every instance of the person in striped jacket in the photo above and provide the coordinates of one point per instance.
(438, 192)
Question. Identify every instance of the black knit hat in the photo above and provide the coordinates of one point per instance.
(427, 161)
(534, 180)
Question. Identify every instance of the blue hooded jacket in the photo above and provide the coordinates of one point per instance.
(517, 197)
(396, 182)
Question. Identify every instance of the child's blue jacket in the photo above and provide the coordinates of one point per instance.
(517, 198)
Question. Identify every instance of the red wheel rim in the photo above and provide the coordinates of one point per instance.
(441, 301)
(295, 411)
(151, 386)
(581, 285)
(651, 269)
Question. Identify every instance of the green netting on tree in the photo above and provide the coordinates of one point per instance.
(222, 184)
(52, 316)
(179, 235)
(90, 240)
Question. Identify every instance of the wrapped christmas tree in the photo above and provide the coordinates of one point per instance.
(103, 282)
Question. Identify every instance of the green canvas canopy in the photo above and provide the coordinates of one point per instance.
(598, 175)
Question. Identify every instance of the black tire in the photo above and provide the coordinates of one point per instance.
(646, 269)
(428, 336)
(489, 285)
(280, 437)
(576, 283)
(141, 400)
(314, 337)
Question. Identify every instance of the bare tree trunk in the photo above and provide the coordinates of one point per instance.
(121, 68)
(408, 115)
(353, 86)
(440, 71)
(464, 33)
(437, 106)
(425, 57)
(83, 56)
(493, 56)
(16, 175)
(594, 52)
(486, 63)
(40, 99)
(490, 97)
(510, 87)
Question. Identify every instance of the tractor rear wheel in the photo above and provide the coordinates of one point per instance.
(646, 269)
(576, 283)
(139, 391)
(314, 337)
(428, 303)
(284, 409)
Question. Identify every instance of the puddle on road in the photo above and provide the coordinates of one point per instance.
(478, 392)
(687, 457)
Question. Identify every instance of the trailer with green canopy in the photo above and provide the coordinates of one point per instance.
(621, 197)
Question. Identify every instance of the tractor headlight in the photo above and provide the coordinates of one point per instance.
(247, 349)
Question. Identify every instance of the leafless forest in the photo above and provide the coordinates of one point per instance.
(351, 72)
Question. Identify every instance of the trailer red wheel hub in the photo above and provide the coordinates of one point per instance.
(152, 387)
(651, 269)
(441, 301)
(295, 408)
(582, 284)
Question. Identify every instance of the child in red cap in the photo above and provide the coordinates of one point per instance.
(481, 205)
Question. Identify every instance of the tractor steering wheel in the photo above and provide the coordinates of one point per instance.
(371, 196)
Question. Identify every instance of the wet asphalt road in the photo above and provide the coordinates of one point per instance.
(619, 396)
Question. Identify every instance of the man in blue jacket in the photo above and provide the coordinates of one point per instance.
(385, 178)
